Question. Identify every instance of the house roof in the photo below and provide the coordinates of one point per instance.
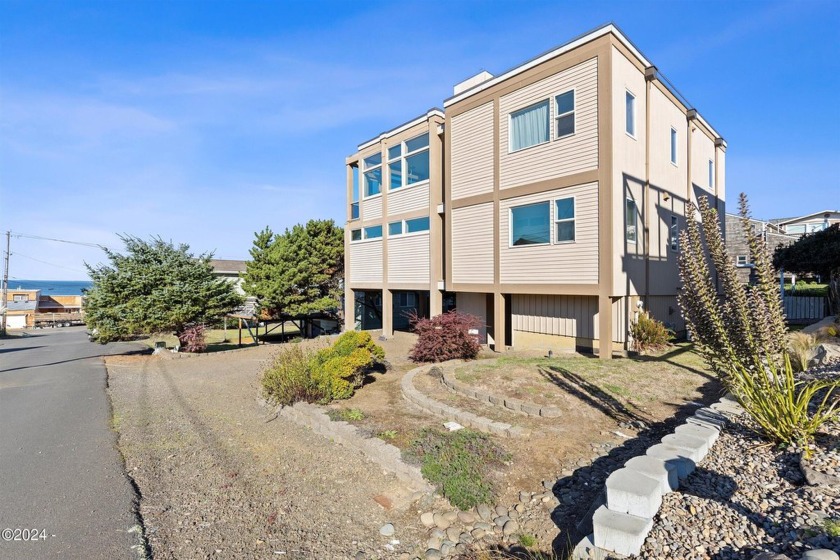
(434, 111)
(223, 265)
(21, 305)
(782, 221)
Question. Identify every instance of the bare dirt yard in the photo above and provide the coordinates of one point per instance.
(217, 480)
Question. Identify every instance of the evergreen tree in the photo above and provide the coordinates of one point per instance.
(154, 287)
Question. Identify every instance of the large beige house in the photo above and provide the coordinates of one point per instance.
(546, 200)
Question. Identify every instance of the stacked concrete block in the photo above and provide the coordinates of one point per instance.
(682, 461)
(631, 492)
(663, 473)
(696, 446)
(619, 532)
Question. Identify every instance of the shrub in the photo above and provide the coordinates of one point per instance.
(649, 334)
(459, 465)
(289, 378)
(191, 339)
(340, 369)
(445, 337)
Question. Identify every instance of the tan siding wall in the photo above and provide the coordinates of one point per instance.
(702, 150)
(665, 309)
(472, 244)
(371, 208)
(408, 199)
(575, 316)
(472, 152)
(366, 261)
(556, 158)
(408, 258)
(473, 304)
(575, 263)
(620, 312)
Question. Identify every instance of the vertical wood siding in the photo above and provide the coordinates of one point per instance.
(472, 152)
(472, 244)
(575, 316)
(575, 263)
(371, 208)
(408, 258)
(408, 199)
(666, 310)
(573, 154)
(366, 261)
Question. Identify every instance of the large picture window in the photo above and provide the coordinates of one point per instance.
(529, 126)
(373, 175)
(530, 224)
(564, 220)
(565, 119)
(408, 162)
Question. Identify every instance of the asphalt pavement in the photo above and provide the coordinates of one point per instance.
(63, 489)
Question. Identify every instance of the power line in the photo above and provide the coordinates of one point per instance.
(84, 244)
(17, 254)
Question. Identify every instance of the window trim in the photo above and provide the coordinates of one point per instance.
(740, 264)
(510, 225)
(510, 126)
(557, 115)
(556, 221)
(674, 242)
(674, 146)
(633, 119)
(635, 222)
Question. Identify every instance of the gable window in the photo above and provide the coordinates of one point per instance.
(373, 232)
(674, 146)
(711, 174)
(565, 119)
(355, 235)
(631, 221)
(395, 228)
(373, 175)
(529, 126)
(408, 162)
(675, 234)
(630, 113)
(530, 224)
(564, 220)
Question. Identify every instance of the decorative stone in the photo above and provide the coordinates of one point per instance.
(466, 517)
(428, 519)
(433, 554)
(510, 528)
(664, 473)
(441, 522)
(673, 456)
(387, 530)
(484, 512)
(820, 554)
(550, 412)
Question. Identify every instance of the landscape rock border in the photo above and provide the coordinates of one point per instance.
(463, 417)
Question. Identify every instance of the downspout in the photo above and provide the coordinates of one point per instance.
(650, 75)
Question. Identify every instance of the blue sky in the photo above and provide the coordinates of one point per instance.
(203, 122)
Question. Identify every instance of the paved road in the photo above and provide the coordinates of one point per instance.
(60, 470)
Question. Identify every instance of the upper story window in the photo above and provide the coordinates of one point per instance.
(354, 205)
(630, 113)
(408, 162)
(674, 234)
(631, 221)
(529, 126)
(565, 119)
(674, 145)
(373, 175)
(414, 225)
(711, 174)
(20, 297)
(373, 232)
(530, 224)
(742, 260)
(395, 228)
(355, 235)
(564, 220)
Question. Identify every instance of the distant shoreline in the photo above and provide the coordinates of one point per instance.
(52, 287)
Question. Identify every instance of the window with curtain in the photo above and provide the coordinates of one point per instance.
(564, 219)
(530, 224)
(565, 119)
(529, 126)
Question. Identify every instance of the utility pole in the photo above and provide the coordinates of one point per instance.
(5, 302)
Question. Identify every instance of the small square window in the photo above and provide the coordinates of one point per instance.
(355, 235)
(631, 221)
(395, 228)
(742, 260)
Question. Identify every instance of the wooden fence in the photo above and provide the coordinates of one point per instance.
(807, 309)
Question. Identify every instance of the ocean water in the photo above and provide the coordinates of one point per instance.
(52, 287)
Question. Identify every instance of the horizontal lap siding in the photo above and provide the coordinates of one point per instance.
(556, 158)
(575, 316)
(472, 152)
(472, 244)
(366, 261)
(571, 263)
(408, 199)
(371, 208)
(408, 259)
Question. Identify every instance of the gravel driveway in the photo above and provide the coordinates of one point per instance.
(219, 481)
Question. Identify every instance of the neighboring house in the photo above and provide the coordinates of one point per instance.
(28, 308)
(548, 203)
(738, 248)
(809, 223)
(231, 271)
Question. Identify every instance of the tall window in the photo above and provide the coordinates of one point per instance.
(373, 174)
(530, 224)
(529, 126)
(408, 162)
(565, 119)
(630, 113)
(675, 234)
(674, 146)
(354, 206)
(564, 220)
(631, 221)
(711, 174)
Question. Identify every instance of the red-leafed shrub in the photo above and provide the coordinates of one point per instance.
(445, 337)
(191, 339)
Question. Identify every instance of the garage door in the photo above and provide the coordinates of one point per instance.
(16, 322)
